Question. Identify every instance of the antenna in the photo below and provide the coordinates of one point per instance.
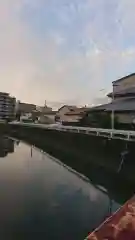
(45, 103)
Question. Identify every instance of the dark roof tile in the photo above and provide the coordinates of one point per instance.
(123, 78)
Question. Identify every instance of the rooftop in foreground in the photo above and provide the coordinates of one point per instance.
(120, 226)
(123, 78)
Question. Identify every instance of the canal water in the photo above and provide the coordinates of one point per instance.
(40, 198)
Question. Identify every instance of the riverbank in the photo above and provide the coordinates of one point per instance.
(88, 155)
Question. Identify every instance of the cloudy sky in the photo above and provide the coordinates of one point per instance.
(65, 50)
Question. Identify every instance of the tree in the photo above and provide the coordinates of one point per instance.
(98, 120)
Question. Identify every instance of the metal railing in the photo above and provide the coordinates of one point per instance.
(107, 133)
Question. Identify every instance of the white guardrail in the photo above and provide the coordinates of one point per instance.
(108, 133)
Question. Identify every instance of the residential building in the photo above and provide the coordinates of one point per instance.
(123, 101)
(76, 115)
(43, 109)
(70, 114)
(25, 108)
(47, 117)
(44, 114)
(7, 106)
(61, 114)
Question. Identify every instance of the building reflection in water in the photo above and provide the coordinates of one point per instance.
(6, 146)
(17, 142)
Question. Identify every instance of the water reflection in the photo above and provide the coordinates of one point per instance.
(17, 142)
(42, 199)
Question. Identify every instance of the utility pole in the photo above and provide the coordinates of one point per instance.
(113, 110)
(112, 116)
(45, 103)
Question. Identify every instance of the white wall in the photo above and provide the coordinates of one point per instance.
(46, 118)
(62, 111)
(67, 118)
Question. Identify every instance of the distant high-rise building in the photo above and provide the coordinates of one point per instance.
(7, 106)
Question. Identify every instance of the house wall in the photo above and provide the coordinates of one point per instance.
(124, 84)
(71, 118)
(62, 111)
(47, 119)
(51, 117)
(126, 118)
(62, 114)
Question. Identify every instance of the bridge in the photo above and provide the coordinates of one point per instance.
(107, 133)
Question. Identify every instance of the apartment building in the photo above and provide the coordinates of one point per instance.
(7, 106)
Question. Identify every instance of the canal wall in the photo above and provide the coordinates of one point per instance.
(4, 128)
(82, 152)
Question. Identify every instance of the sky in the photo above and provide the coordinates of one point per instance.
(65, 51)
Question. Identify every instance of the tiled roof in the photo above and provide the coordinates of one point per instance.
(98, 108)
(119, 105)
(122, 105)
(120, 226)
(68, 106)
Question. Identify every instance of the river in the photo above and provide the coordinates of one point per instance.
(40, 198)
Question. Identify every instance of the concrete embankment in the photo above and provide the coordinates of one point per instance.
(80, 150)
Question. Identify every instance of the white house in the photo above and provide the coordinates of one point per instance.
(47, 117)
(61, 114)
(70, 114)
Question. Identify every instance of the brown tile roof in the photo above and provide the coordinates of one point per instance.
(69, 107)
